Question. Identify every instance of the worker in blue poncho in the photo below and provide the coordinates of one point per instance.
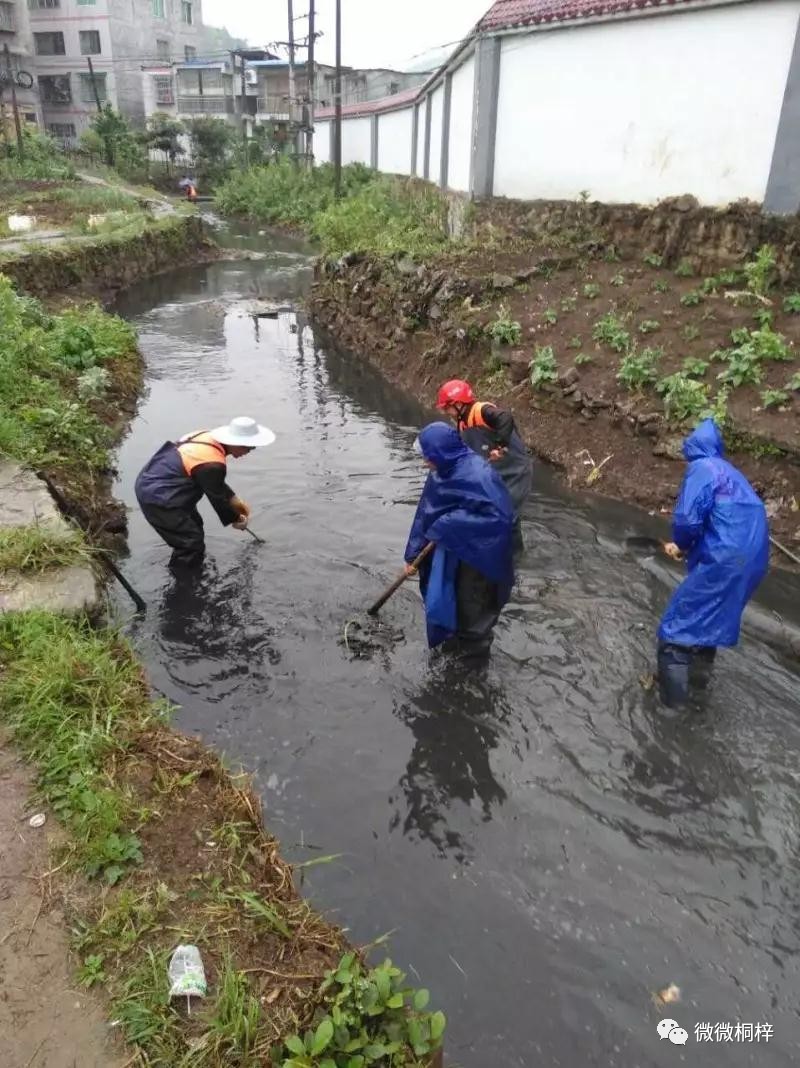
(465, 510)
(720, 524)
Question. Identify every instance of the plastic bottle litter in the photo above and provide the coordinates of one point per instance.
(38, 820)
(187, 975)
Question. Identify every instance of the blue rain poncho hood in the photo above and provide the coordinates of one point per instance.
(466, 511)
(721, 524)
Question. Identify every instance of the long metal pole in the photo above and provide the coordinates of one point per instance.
(337, 147)
(292, 87)
(245, 142)
(15, 107)
(94, 84)
(312, 83)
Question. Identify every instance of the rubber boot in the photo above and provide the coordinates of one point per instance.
(674, 664)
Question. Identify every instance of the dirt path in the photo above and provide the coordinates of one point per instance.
(46, 1020)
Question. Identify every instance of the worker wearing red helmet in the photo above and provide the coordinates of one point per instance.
(492, 433)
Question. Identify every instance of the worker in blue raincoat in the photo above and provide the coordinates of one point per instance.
(466, 511)
(720, 524)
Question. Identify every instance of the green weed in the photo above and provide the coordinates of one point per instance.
(794, 382)
(611, 331)
(504, 329)
(649, 326)
(791, 304)
(695, 368)
(692, 298)
(235, 1018)
(575, 343)
(550, 316)
(367, 1018)
(63, 692)
(690, 332)
(728, 277)
(652, 259)
(618, 280)
(583, 358)
(638, 369)
(543, 366)
(569, 304)
(40, 547)
(684, 269)
(771, 398)
(592, 290)
(660, 286)
(683, 397)
(760, 272)
(43, 420)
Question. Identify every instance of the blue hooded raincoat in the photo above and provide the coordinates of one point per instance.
(721, 524)
(466, 510)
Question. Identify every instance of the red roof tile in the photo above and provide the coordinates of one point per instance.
(369, 107)
(506, 14)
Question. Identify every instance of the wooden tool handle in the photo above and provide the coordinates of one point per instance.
(395, 586)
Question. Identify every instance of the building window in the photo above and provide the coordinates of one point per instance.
(63, 131)
(40, 5)
(158, 9)
(87, 92)
(90, 42)
(189, 53)
(165, 94)
(162, 50)
(55, 89)
(48, 44)
(7, 22)
(186, 12)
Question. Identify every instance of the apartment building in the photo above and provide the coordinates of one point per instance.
(120, 37)
(15, 32)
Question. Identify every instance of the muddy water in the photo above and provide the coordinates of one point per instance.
(547, 846)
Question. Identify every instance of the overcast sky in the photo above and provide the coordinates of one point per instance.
(375, 33)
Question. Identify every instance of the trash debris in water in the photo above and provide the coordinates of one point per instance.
(363, 638)
(647, 682)
(187, 975)
(38, 820)
(670, 995)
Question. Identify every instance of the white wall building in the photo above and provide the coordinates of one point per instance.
(628, 101)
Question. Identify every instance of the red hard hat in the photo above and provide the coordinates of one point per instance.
(455, 392)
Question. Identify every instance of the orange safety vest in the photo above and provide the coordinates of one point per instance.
(475, 417)
(196, 449)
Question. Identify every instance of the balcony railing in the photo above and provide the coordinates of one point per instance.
(205, 105)
(273, 105)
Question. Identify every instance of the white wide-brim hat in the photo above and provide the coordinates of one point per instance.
(243, 431)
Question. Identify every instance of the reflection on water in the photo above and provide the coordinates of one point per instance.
(549, 846)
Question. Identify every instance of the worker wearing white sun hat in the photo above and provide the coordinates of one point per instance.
(174, 480)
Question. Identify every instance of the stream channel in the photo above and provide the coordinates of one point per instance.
(547, 846)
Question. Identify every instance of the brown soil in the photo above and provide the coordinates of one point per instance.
(423, 324)
(46, 1020)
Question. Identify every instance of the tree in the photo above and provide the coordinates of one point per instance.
(163, 134)
(212, 141)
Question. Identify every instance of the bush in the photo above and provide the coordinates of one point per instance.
(43, 159)
(285, 193)
(610, 330)
(684, 398)
(386, 216)
(42, 361)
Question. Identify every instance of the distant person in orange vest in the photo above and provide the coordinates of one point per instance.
(491, 432)
(189, 187)
(174, 480)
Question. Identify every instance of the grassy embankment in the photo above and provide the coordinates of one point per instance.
(163, 845)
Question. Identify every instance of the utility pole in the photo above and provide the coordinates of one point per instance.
(94, 85)
(12, 83)
(245, 141)
(312, 84)
(337, 124)
(292, 88)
